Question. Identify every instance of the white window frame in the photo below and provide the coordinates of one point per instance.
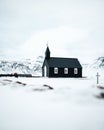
(55, 70)
(75, 70)
(65, 70)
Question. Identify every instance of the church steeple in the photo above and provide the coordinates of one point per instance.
(47, 53)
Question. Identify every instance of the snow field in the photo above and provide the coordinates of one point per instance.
(71, 104)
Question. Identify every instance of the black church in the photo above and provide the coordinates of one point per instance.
(60, 67)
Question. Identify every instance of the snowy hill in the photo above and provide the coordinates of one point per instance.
(22, 67)
(99, 63)
(95, 64)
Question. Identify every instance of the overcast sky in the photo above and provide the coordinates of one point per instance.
(73, 28)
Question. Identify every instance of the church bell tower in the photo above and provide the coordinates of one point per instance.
(47, 53)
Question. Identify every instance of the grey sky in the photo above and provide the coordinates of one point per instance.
(76, 26)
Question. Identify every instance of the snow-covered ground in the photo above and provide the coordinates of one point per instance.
(30, 104)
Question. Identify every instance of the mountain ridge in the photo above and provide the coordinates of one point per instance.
(27, 66)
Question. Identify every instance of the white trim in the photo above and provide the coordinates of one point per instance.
(45, 71)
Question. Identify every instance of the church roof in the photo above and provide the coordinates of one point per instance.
(64, 62)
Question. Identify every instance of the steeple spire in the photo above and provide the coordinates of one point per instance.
(47, 53)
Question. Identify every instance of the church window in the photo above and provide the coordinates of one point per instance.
(75, 70)
(65, 70)
(55, 70)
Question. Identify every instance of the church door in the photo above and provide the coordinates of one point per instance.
(45, 71)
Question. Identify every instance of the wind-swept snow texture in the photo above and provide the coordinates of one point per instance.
(71, 104)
